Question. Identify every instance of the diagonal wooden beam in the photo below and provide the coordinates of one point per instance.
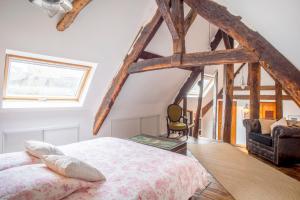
(189, 19)
(188, 84)
(148, 55)
(69, 17)
(140, 44)
(164, 8)
(195, 60)
(216, 41)
(288, 76)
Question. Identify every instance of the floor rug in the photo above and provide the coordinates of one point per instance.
(245, 177)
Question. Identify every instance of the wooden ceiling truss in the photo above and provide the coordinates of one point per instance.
(252, 48)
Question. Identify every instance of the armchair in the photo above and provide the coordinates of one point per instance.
(176, 122)
(282, 147)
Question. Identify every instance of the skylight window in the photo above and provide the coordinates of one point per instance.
(208, 82)
(42, 80)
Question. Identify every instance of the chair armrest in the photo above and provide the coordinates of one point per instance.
(184, 119)
(286, 132)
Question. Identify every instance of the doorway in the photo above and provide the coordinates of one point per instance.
(267, 110)
(233, 121)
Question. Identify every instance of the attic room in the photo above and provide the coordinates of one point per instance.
(149, 99)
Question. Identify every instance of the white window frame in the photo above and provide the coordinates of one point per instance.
(58, 64)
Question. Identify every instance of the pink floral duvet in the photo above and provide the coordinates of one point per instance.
(135, 171)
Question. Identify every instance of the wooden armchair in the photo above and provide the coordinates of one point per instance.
(176, 122)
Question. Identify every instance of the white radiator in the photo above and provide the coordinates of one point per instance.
(13, 140)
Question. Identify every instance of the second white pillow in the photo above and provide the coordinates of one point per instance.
(72, 168)
(39, 149)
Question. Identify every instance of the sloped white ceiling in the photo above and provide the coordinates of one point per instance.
(277, 21)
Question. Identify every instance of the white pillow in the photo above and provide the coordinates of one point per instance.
(265, 125)
(281, 122)
(39, 149)
(72, 167)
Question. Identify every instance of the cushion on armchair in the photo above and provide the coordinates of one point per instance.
(266, 125)
(177, 126)
(265, 139)
(281, 122)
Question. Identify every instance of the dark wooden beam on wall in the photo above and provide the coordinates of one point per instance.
(199, 106)
(216, 41)
(188, 84)
(228, 83)
(229, 56)
(178, 17)
(69, 17)
(148, 55)
(189, 19)
(261, 97)
(215, 106)
(140, 44)
(273, 61)
(184, 107)
(262, 87)
(227, 102)
(164, 9)
(254, 81)
(278, 101)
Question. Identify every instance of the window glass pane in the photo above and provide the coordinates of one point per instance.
(195, 89)
(36, 79)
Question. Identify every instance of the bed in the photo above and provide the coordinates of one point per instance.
(132, 170)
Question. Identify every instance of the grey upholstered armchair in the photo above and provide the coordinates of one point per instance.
(282, 148)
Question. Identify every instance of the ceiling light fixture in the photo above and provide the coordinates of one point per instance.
(52, 7)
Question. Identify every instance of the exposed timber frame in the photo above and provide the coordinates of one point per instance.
(278, 100)
(228, 82)
(273, 61)
(140, 44)
(164, 9)
(254, 45)
(254, 85)
(229, 56)
(69, 17)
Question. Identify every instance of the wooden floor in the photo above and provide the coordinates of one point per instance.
(215, 190)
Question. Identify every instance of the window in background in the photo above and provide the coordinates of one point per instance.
(208, 83)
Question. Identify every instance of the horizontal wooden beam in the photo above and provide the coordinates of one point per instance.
(262, 97)
(262, 87)
(195, 60)
(69, 17)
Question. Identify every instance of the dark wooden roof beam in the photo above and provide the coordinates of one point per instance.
(195, 60)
